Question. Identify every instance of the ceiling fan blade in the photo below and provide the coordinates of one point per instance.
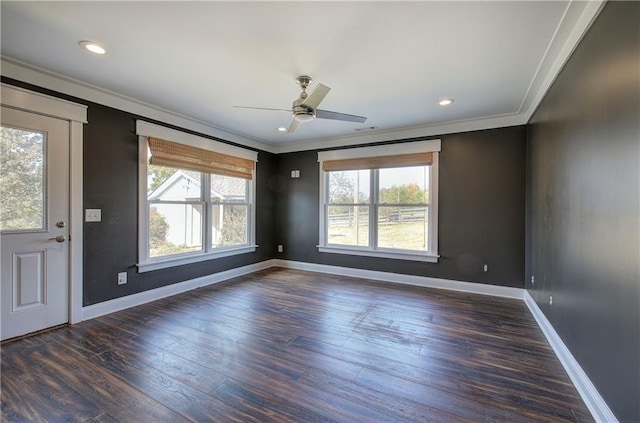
(318, 94)
(262, 108)
(294, 126)
(326, 114)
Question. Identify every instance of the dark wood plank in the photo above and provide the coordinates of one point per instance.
(291, 346)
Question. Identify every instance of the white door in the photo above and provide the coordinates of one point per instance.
(34, 227)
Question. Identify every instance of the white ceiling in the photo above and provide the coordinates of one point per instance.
(390, 61)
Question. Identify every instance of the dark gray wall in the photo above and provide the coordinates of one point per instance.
(481, 211)
(111, 184)
(583, 206)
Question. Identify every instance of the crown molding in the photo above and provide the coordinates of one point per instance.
(575, 22)
(46, 79)
(433, 130)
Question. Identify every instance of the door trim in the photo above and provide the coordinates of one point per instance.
(76, 115)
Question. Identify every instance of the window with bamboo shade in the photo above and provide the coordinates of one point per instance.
(380, 201)
(196, 198)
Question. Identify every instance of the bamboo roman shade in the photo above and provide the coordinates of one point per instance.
(381, 162)
(172, 154)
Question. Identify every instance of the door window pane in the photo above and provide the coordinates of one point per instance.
(22, 179)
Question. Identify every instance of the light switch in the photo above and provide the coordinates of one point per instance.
(295, 173)
(92, 215)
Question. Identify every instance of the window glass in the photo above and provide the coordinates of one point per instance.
(171, 184)
(175, 211)
(403, 227)
(22, 179)
(174, 228)
(401, 207)
(228, 189)
(229, 225)
(404, 185)
(229, 211)
(349, 187)
(348, 225)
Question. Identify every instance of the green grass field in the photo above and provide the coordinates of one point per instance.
(405, 235)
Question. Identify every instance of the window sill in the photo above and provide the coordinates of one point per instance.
(164, 263)
(404, 255)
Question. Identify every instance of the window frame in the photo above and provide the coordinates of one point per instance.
(372, 250)
(146, 263)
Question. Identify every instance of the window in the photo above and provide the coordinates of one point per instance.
(196, 198)
(380, 201)
(22, 180)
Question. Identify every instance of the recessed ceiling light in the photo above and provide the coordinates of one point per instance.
(93, 47)
(446, 101)
(282, 129)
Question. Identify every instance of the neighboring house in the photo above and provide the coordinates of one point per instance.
(177, 199)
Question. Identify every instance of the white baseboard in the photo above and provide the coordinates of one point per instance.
(122, 303)
(111, 306)
(475, 288)
(590, 395)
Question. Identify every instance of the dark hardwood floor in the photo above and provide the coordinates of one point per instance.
(291, 346)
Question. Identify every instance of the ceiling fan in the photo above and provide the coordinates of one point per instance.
(305, 108)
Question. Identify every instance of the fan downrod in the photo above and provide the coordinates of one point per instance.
(303, 81)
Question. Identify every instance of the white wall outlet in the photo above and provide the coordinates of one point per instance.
(280, 248)
(550, 299)
(295, 173)
(485, 268)
(122, 278)
(92, 215)
(533, 280)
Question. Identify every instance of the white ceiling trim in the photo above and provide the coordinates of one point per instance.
(577, 18)
(406, 133)
(40, 77)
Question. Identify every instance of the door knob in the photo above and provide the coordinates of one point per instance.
(60, 224)
(59, 238)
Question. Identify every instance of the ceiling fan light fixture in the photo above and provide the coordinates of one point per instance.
(304, 117)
